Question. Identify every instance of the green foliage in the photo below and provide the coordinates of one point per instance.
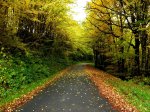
(141, 80)
(15, 73)
(37, 39)
(29, 25)
(17, 93)
(41, 26)
(138, 95)
(123, 42)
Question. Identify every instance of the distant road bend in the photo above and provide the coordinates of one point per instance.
(75, 92)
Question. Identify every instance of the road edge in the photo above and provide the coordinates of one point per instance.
(117, 101)
(11, 106)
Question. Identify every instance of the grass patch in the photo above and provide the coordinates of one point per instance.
(18, 76)
(137, 95)
(24, 90)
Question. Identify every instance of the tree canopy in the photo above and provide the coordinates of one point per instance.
(121, 31)
(116, 32)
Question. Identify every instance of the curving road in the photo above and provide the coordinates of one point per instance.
(72, 93)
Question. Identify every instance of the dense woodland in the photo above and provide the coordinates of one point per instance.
(39, 26)
(39, 37)
(121, 33)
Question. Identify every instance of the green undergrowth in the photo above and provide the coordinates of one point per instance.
(20, 75)
(15, 94)
(136, 94)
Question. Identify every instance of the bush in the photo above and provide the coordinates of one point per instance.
(16, 72)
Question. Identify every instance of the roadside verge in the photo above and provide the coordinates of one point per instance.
(9, 107)
(101, 80)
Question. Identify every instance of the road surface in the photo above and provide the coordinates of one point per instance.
(72, 93)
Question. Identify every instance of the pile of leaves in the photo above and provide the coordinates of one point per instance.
(111, 93)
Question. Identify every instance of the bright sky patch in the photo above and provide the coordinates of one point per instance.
(78, 10)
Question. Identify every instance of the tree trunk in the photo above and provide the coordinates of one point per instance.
(148, 63)
(144, 35)
(144, 57)
(121, 60)
(137, 56)
(95, 57)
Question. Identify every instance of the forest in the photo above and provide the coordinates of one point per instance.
(39, 37)
(121, 28)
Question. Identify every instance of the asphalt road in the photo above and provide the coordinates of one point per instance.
(72, 93)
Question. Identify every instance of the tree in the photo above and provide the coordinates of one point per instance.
(35, 25)
(114, 18)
